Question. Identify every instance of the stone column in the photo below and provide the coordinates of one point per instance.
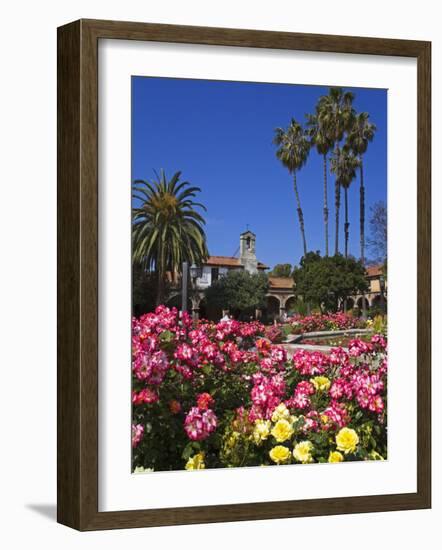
(281, 308)
(196, 300)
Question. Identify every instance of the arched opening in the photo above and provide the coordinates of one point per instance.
(350, 304)
(271, 311)
(290, 305)
(360, 303)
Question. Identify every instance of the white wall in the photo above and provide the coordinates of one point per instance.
(27, 217)
(206, 279)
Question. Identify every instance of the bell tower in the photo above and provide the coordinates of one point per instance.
(247, 251)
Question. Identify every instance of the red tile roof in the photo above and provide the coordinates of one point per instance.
(374, 270)
(281, 282)
(228, 261)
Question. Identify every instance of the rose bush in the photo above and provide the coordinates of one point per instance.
(330, 321)
(211, 395)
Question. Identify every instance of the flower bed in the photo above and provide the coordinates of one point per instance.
(330, 321)
(211, 396)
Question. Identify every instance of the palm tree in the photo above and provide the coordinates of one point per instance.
(293, 149)
(344, 164)
(167, 229)
(335, 114)
(361, 133)
(320, 138)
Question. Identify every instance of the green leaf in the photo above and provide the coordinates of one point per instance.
(188, 451)
(207, 369)
(166, 336)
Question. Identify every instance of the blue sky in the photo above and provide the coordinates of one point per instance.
(219, 135)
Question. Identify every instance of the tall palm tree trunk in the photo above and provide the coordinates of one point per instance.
(362, 213)
(160, 272)
(346, 224)
(300, 214)
(362, 228)
(337, 207)
(160, 288)
(325, 205)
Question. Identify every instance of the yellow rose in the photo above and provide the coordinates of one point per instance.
(347, 440)
(302, 452)
(335, 456)
(282, 431)
(232, 440)
(196, 462)
(321, 383)
(261, 431)
(280, 413)
(280, 454)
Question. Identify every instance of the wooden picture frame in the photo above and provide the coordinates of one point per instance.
(78, 274)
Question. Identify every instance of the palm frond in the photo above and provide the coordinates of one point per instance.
(167, 226)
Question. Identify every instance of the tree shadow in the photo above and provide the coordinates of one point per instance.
(49, 511)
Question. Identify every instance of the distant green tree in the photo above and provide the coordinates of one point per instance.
(239, 290)
(281, 270)
(325, 282)
(298, 307)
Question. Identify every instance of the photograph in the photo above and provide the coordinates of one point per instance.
(259, 274)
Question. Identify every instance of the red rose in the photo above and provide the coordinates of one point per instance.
(204, 401)
(174, 406)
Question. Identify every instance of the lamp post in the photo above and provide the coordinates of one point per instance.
(195, 273)
(184, 287)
